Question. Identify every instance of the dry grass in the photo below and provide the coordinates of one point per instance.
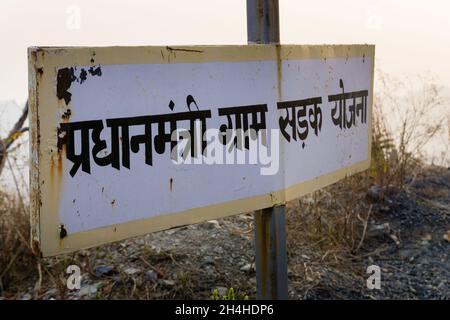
(17, 264)
(328, 227)
(409, 120)
(327, 230)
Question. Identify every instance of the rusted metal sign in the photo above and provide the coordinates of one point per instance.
(132, 140)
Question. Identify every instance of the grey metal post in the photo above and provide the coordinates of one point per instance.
(270, 229)
(263, 24)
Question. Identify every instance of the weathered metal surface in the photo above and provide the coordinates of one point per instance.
(263, 26)
(72, 208)
(271, 256)
(270, 239)
(35, 71)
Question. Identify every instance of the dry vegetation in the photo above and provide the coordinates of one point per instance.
(331, 225)
(326, 229)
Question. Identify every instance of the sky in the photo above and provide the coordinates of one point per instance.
(411, 36)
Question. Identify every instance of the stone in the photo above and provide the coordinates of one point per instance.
(446, 236)
(131, 271)
(249, 267)
(89, 290)
(222, 291)
(395, 239)
(211, 224)
(84, 253)
(425, 240)
(383, 226)
(208, 260)
(26, 296)
(104, 270)
(169, 283)
(151, 275)
(51, 293)
(375, 193)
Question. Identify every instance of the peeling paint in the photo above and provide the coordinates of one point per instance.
(182, 50)
(66, 115)
(62, 232)
(83, 76)
(95, 71)
(66, 76)
(40, 72)
(35, 64)
(64, 81)
(92, 58)
(62, 139)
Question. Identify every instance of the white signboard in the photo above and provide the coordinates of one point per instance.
(131, 140)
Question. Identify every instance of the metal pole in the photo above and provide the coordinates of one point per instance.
(263, 24)
(263, 27)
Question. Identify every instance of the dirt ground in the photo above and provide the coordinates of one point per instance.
(406, 234)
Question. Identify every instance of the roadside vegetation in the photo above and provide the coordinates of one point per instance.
(333, 234)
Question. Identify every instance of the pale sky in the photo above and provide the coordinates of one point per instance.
(411, 36)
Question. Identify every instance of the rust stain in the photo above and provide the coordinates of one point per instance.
(262, 233)
(66, 115)
(40, 72)
(56, 168)
(35, 140)
(60, 164)
(113, 203)
(279, 72)
(62, 232)
(260, 17)
(92, 58)
(52, 169)
(171, 184)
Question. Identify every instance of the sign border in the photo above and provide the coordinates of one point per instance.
(46, 181)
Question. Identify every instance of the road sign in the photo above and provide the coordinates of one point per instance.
(131, 140)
